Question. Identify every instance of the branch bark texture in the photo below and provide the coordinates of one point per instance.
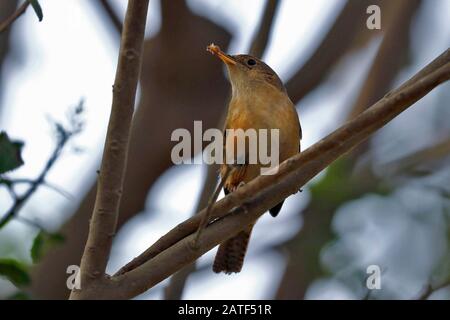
(109, 189)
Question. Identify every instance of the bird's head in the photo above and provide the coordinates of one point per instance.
(246, 72)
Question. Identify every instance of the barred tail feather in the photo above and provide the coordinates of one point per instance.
(231, 253)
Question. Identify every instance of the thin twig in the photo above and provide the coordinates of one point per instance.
(407, 163)
(49, 185)
(206, 218)
(429, 289)
(19, 201)
(59, 190)
(31, 223)
(9, 21)
(112, 15)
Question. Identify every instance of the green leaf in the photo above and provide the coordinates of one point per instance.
(37, 8)
(42, 242)
(38, 247)
(10, 153)
(14, 271)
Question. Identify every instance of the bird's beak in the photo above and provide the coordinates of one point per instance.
(215, 50)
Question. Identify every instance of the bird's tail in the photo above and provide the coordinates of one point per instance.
(231, 253)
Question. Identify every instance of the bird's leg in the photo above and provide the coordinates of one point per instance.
(205, 220)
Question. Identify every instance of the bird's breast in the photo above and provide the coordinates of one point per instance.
(262, 110)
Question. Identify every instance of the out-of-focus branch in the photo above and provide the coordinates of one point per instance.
(390, 56)
(333, 46)
(5, 43)
(10, 20)
(63, 135)
(262, 37)
(109, 189)
(429, 290)
(389, 60)
(426, 155)
(47, 184)
(247, 204)
(112, 15)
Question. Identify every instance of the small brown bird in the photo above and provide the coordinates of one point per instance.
(259, 101)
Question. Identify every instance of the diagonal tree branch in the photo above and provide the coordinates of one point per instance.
(262, 37)
(247, 204)
(333, 46)
(10, 20)
(112, 15)
(429, 290)
(432, 153)
(109, 189)
(63, 135)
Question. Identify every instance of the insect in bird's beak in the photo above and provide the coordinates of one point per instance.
(215, 50)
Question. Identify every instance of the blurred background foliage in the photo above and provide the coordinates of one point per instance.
(386, 203)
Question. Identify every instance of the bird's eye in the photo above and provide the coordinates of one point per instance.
(251, 62)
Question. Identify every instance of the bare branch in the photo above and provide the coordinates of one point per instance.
(390, 56)
(333, 46)
(63, 136)
(435, 152)
(429, 290)
(109, 189)
(49, 185)
(112, 15)
(247, 204)
(10, 20)
(261, 39)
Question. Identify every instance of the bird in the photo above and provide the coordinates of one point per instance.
(259, 100)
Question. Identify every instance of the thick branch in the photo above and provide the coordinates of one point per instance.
(110, 181)
(247, 204)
